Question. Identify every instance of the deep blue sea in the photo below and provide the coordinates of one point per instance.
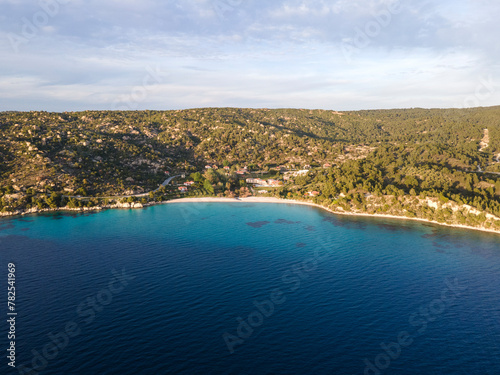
(221, 288)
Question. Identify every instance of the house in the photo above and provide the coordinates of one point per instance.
(167, 172)
(241, 172)
(188, 183)
(183, 189)
(208, 167)
(227, 168)
(327, 165)
(215, 166)
(274, 182)
(301, 172)
(263, 183)
(313, 193)
(257, 181)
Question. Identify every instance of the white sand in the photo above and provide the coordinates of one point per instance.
(290, 201)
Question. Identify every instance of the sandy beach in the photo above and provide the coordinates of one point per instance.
(243, 200)
(290, 201)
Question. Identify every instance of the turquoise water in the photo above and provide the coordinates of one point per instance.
(214, 288)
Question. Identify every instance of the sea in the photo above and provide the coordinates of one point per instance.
(245, 288)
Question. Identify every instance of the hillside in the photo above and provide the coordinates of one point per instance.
(363, 160)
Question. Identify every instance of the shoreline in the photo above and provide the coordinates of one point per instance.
(242, 200)
(305, 203)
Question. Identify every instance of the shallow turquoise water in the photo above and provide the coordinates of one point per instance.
(250, 289)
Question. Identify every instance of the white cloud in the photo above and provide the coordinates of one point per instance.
(283, 53)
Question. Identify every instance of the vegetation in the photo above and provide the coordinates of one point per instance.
(436, 164)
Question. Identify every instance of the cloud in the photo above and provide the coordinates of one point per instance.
(297, 53)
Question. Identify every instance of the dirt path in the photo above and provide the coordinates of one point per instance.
(485, 142)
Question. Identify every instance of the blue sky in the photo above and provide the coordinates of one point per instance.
(59, 55)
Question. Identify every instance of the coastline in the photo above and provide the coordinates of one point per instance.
(241, 200)
(305, 203)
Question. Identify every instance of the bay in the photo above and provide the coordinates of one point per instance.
(249, 288)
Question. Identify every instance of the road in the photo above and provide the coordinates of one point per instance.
(480, 170)
(485, 172)
(167, 181)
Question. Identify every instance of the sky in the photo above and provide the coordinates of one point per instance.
(72, 55)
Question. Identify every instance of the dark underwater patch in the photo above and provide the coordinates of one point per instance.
(6, 226)
(395, 227)
(258, 224)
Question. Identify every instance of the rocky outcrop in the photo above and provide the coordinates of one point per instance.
(126, 205)
(35, 210)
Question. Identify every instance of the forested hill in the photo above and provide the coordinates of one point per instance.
(111, 152)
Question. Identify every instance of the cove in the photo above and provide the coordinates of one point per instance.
(297, 289)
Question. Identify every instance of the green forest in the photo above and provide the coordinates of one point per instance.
(434, 164)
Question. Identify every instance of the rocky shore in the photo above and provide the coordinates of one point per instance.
(36, 210)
